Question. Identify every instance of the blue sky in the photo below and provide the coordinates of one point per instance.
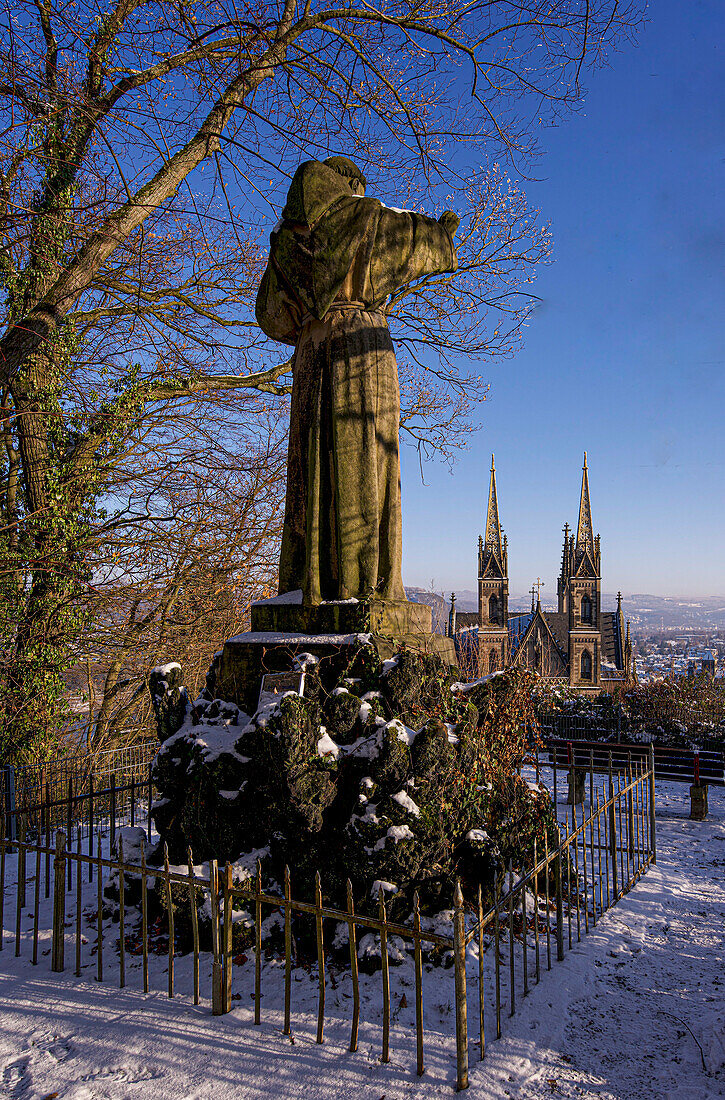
(624, 358)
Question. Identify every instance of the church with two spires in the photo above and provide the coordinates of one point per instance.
(578, 642)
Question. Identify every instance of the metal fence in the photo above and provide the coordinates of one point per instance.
(70, 784)
(646, 723)
(593, 863)
(692, 766)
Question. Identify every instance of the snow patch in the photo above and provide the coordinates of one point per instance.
(326, 746)
(403, 799)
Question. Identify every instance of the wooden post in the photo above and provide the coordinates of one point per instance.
(652, 827)
(385, 974)
(228, 889)
(459, 964)
(57, 959)
(352, 940)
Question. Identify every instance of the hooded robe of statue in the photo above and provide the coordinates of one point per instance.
(335, 258)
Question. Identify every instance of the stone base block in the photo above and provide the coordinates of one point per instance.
(698, 802)
(387, 618)
(248, 657)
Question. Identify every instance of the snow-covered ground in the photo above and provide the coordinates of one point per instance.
(635, 1010)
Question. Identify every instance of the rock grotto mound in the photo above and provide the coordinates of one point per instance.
(384, 772)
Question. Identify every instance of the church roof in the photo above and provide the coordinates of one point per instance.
(466, 619)
(518, 625)
(521, 626)
(559, 626)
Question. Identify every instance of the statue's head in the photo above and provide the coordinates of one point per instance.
(350, 172)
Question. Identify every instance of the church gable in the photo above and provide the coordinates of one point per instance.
(537, 649)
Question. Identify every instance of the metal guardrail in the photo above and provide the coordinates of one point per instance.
(704, 766)
(647, 727)
(71, 780)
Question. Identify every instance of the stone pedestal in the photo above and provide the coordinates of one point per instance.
(281, 630)
(698, 802)
(388, 618)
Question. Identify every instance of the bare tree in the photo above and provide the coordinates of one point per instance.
(192, 545)
(142, 151)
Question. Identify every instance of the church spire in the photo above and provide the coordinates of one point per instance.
(584, 534)
(493, 544)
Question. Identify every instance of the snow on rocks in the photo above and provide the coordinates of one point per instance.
(386, 887)
(403, 799)
(326, 746)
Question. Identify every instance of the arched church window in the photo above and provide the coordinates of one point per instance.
(493, 661)
(586, 609)
(586, 666)
(493, 609)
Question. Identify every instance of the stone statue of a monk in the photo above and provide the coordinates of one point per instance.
(335, 258)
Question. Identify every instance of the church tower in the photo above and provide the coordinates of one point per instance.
(493, 588)
(580, 593)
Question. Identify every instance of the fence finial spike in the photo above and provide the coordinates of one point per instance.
(286, 874)
(458, 895)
